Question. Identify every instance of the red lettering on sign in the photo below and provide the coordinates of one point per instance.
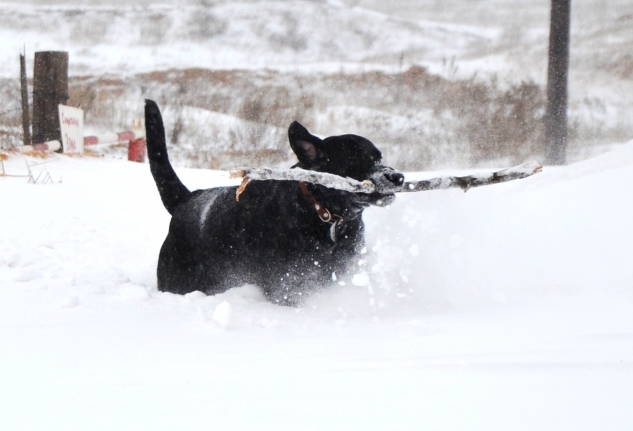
(72, 145)
(70, 121)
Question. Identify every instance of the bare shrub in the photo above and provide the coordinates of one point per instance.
(91, 26)
(11, 133)
(366, 37)
(248, 146)
(419, 120)
(622, 67)
(154, 27)
(501, 124)
(205, 25)
(291, 37)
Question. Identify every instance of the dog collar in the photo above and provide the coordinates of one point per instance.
(324, 214)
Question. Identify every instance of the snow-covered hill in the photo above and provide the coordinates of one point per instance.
(501, 38)
(508, 307)
(501, 43)
(271, 34)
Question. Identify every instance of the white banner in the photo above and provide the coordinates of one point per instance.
(71, 122)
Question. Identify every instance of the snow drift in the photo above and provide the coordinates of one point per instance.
(508, 307)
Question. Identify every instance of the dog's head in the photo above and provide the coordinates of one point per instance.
(347, 156)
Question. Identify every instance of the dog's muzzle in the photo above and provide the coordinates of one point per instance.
(387, 181)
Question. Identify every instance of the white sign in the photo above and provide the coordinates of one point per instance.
(71, 122)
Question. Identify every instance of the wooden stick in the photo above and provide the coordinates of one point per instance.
(328, 180)
(466, 183)
(348, 184)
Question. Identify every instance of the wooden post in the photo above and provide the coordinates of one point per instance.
(24, 90)
(557, 71)
(50, 88)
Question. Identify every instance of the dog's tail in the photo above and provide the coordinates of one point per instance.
(172, 190)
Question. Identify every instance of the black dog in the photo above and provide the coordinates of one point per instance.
(274, 237)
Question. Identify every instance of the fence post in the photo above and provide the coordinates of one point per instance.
(557, 71)
(50, 89)
(24, 92)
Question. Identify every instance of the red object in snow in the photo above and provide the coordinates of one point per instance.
(113, 138)
(136, 139)
(136, 143)
(136, 151)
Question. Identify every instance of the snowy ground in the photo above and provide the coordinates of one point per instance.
(508, 307)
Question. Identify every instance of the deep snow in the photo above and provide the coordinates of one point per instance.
(505, 308)
(508, 307)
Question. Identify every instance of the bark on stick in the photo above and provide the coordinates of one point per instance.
(348, 184)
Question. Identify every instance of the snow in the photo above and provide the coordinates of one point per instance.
(222, 314)
(507, 307)
(221, 35)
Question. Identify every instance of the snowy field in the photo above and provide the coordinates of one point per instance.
(506, 308)
(509, 307)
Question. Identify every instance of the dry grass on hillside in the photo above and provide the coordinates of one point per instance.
(418, 119)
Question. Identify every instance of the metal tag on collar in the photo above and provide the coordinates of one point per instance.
(333, 232)
(324, 214)
(335, 228)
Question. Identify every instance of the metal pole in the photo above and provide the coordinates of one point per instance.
(557, 73)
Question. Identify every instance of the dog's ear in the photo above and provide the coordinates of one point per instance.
(307, 147)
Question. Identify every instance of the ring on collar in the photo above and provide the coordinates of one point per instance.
(324, 214)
